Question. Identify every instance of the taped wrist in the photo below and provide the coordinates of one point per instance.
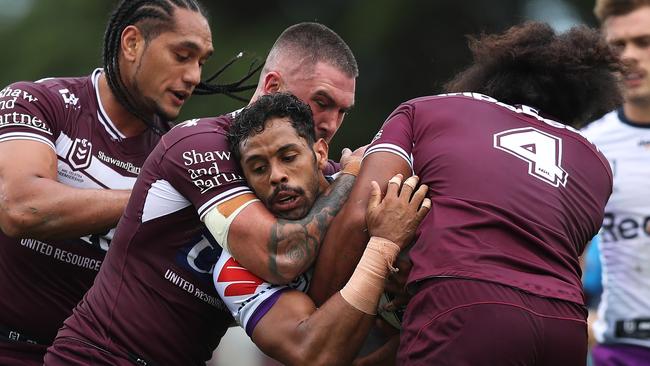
(367, 282)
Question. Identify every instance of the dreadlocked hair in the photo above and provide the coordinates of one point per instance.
(152, 17)
(230, 89)
(571, 76)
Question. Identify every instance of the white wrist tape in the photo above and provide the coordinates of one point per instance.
(367, 282)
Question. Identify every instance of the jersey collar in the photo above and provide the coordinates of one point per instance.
(102, 116)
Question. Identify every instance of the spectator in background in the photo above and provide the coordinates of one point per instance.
(623, 135)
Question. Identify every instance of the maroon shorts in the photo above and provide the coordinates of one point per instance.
(467, 322)
(21, 354)
(73, 352)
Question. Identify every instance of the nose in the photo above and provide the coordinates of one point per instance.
(630, 52)
(192, 74)
(328, 123)
(278, 175)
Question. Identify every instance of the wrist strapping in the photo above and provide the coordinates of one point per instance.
(352, 168)
(367, 282)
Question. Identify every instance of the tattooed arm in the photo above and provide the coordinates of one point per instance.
(279, 250)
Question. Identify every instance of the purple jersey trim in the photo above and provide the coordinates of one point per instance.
(262, 310)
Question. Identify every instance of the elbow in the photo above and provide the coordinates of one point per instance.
(319, 357)
(286, 274)
(16, 224)
(304, 356)
(14, 227)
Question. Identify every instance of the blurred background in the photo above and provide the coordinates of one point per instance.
(404, 49)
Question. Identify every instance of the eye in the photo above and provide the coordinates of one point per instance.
(643, 42)
(258, 169)
(289, 158)
(618, 46)
(320, 103)
(180, 57)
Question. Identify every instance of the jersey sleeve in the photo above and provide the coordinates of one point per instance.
(29, 112)
(247, 296)
(396, 135)
(201, 168)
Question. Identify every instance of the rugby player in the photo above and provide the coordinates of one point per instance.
(153, 299)
(516, 191)
(623, 135)
(70, 151)
(282, 161)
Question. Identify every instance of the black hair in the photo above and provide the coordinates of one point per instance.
(252, 119)
(153, 17)
(571, 76)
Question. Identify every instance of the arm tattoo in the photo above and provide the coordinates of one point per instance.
(295, 243)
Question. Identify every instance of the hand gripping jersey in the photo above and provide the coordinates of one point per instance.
(516, 196)
(624, 311)
(154, 295)
(42, 281)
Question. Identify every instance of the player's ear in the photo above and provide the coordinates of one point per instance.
(272, 82)
(321, 149)
(132, 41)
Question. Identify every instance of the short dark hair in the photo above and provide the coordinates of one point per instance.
(152, 17)
(607, 8)
(570, 76)
(252, 119)
(318, 43)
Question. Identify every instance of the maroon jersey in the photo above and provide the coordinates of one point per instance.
(516, 196)
(42, 281)
(154, 295)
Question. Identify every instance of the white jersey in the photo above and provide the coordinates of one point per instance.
(624, 311)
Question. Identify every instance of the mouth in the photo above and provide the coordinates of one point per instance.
(179, 96)
(634, 77)
(284, 201)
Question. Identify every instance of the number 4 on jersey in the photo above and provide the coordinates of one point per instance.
(542, 151)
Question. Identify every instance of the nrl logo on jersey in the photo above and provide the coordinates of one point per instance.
(80, 154)
(69, 98)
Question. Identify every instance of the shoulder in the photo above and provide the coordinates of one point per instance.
(54, 92)
(199, 131)
(602, 126)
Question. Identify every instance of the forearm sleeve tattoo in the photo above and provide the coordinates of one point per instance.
(293, 245)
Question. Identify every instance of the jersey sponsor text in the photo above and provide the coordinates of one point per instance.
(61, 255)
(126, 165)
(16, 118)
(186, 285)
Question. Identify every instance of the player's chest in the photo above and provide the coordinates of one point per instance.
(87, 158)
(630, 163)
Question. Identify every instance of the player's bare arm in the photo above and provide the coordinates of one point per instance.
(279, 250)
(34, 204)
(345, 240)
(295, 332)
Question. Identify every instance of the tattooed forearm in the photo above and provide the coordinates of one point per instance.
(293, 245)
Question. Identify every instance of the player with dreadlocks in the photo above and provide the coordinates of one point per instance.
(154, 296)
(70, 150)
(516, 194)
